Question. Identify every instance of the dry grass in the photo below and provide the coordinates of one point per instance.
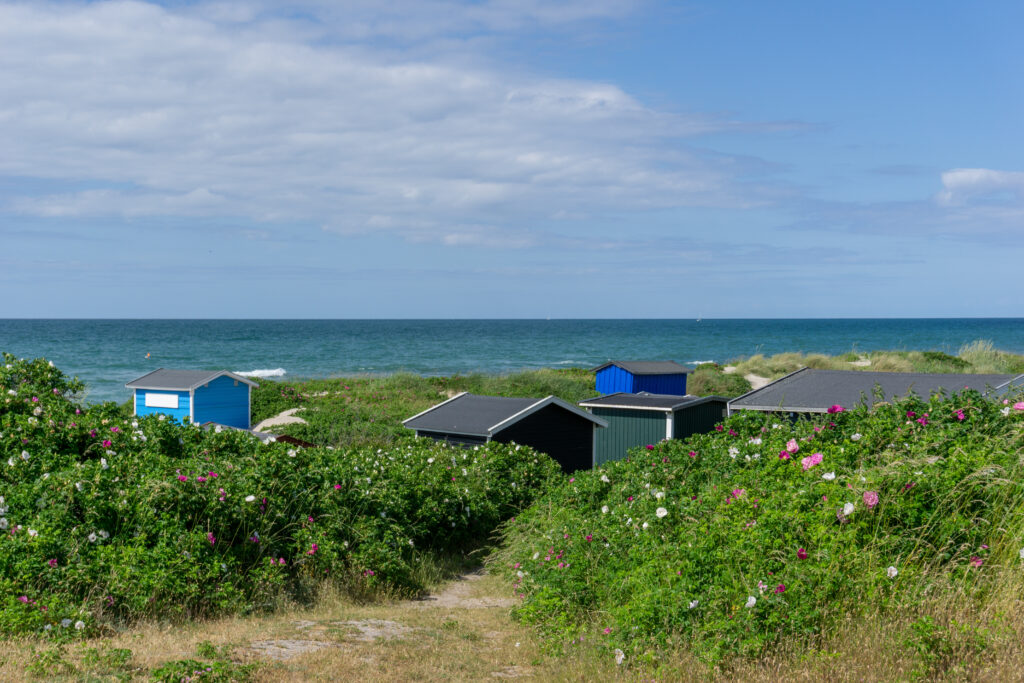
(453, 643)
(976, 357)
(462, 641)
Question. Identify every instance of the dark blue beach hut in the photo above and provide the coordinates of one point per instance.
(634, 376)
(199, 395)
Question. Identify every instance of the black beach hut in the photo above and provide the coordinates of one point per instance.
(815, 391)
(550, 425)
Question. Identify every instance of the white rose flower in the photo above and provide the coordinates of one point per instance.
(249, 499)
(661, 512)
(620, 656)
(848, 509)
(891, 572)
(693, 604)
(605, 479)
(65, 623)
(79, 625)
(604, 509)
(103, 463)
(855, 437)
(828, 476)
(92, 538)
(751, 601)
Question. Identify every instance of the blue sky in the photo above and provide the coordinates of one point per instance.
(510, 158)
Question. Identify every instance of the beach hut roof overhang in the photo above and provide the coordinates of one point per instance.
(182, 380)
(646, 367)
(479, 416)
(664, 403)
(814, 391)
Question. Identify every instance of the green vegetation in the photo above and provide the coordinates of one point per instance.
(976, 357)
(709, 380)
(369, 410)
(765, 531)
(106, 519)
(729, 548)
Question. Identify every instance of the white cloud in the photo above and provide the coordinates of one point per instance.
(962, 185)
(229, 110)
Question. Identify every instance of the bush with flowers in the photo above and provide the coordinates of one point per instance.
(767, 529)
(106, 519)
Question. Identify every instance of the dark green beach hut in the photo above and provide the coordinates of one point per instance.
(641, 419)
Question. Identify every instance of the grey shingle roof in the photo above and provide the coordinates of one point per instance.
(181, 380)
(645, 400)
(647, 367)
(809, 390)
(476, 415)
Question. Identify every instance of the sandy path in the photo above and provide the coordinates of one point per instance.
(287, 417)
(756, 381)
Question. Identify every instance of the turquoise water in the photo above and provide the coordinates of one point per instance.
(108, 353)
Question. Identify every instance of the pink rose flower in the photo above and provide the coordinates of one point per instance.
(870, 499)
(792, 446)
(812, 460)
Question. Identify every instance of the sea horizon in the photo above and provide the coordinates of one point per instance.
(108, 352)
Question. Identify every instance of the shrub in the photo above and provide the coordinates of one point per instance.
(107, 519)
(709, 380)
(766, 530)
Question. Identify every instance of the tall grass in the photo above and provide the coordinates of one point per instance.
(977, 357)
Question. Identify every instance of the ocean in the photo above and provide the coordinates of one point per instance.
(107, 353)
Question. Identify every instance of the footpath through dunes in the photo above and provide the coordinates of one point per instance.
(462, 631)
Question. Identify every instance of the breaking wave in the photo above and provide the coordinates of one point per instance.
(277, 372)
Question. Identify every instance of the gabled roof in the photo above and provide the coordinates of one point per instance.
(181, 380)
(646, 401)
(813, 391)
(473, 415)
(647, 367)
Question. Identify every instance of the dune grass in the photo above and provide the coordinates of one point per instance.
(977, 357)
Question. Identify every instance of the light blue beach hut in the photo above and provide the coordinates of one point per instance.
(199, 395)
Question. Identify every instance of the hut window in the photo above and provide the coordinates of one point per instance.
(154, 400)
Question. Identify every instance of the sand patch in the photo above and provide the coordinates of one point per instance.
(286, 417)
(287, 648)
(756, 381)
(511, 672)
(461, 594)
(370, 630)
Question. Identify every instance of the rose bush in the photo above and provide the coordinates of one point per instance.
(107, 519)
(766, 529)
